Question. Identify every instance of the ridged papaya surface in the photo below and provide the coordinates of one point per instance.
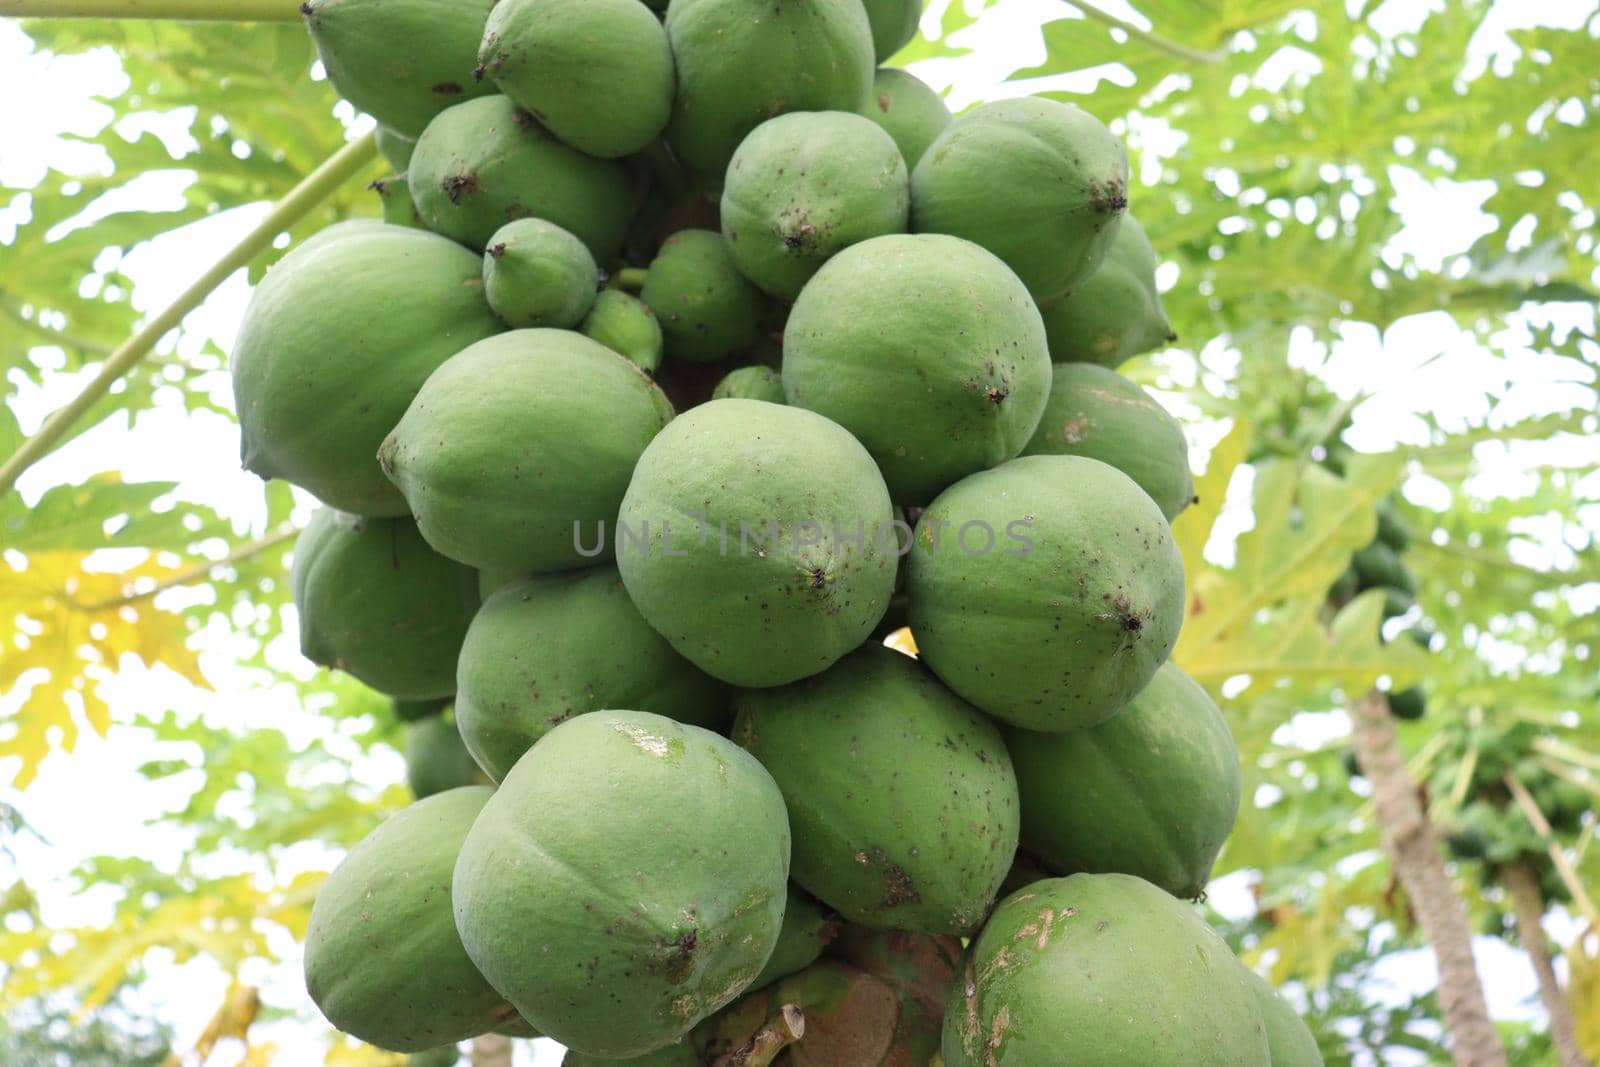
(436, 760)
(1291, 1041)
(1116, 313)
(908, 110)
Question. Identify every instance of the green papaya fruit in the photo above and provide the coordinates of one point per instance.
(1396, 602)
(680, 1055)
(1152, 791)
(1063, 604)
(537, 274)
(1041, 184)
(370, 50)
(908, 110)
(483, 163)
(1409, 704)
(1344, 587)
(625, 881)
(395, 195)
(416, 710)
(376, 602)
(750, 538)
(382, 958)
(443, 1056)
(596, 73)
(544, 649)
(750, 383)
(807, 930)
(1116, 312)
(520, 446)
(1289, 1039)
(336, 340)
(894, 23)
(1379, 565)
(707, 309)
(395, 148)
(1098, 413)
(805, 185)
(927, 349)
(901, 796)
(1392, 528)
(741, 63)
(1103, 969)
(626, 325)
(436, 760)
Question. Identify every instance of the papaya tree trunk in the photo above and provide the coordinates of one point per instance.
(1413, 849)
(1527, 905)
(491, 1050)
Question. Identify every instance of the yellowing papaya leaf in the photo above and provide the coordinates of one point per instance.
(1193, 526)
(346, 1052)
(66, 629)
(1583, 992)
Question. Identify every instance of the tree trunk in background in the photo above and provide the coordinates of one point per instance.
(491, 1050)
(1527, 904)
(1413, 849)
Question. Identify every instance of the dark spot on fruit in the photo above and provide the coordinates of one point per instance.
(497, 249)
(446, 89)
(897, 886)
(1132, 624)
(819, 577)
(458, 184)
(996, 394)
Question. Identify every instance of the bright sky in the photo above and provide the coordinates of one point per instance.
(200, 452)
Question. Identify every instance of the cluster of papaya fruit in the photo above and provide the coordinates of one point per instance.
(694, 357)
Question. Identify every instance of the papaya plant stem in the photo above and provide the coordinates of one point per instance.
(630, 279)
(176, 10)
(1527, 905)
(1558, 855)
(1153, 40)
(312, 190)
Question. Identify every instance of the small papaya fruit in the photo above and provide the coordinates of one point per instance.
(1152, 791)
(908, 110)
(482, 163)
(382, 958)
(395, 195)
(520, 446)
(537, 274)
(625, 881)
(369, 49)
(1041, 184)
(596, 73)
(544, 649)
(894, 23)
(395, 148)
(1115, 313)
(1392, 528)
(901, 796)
(751, 539)
(415, 710)
(926, 348)
(626, 325)
(436, 760)
(1409, 704)
(804, 185)
(336, 340)
(739, 64)
(1103, 969)
(750, 383)
(808, 929)
(377, 602)
(1046, 591)
(1289, 1039)
(707, 309)
(1344, 587)
(1098, 413)
(1396, 602)
(1378, 565)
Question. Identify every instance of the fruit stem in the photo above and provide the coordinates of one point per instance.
(177, 10)
(1151, 39)
(629, 278)
(313, 189)
(781, 1031)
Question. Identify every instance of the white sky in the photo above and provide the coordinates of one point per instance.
(94, 802)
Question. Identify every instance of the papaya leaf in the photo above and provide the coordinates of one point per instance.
(1192, 529)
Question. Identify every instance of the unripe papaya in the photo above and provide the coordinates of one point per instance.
(894, 23)
(808, 929)
(481, 164)
(394, 193)
(707, 309)
(626, 325)
(926, 348)
(370, 49)
(395, 147)
(415, 710)
(436, 760)
(1291, 1042)
(336, 340)
(520, 446)
(901, 795)
(1041, 184)
(375, 601)
(1098, 413)
(1152, 791)
(750, 538)
(382, 959)
(537, 274)
(1103, 969)
(1379, 565)
(908, 110)
(443, 1056)
(1408, 704)
(625, 881)
(1062, 604)
(596, 73)
(740, 63)
(750, 383)
(805, 185)
(544, 649)
(1392, 529)
(1116, 312)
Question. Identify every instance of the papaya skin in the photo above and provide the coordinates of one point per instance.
(537, 274)
(1291, 1041)
(894, 23)
(1116, 313)
(707, 310)
(626, 325)
(908, 110)
(808, 928)
(436, 760)
(750, 383)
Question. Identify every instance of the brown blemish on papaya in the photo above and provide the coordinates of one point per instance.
(447, 89)
(997, 1035)
(456, 185)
